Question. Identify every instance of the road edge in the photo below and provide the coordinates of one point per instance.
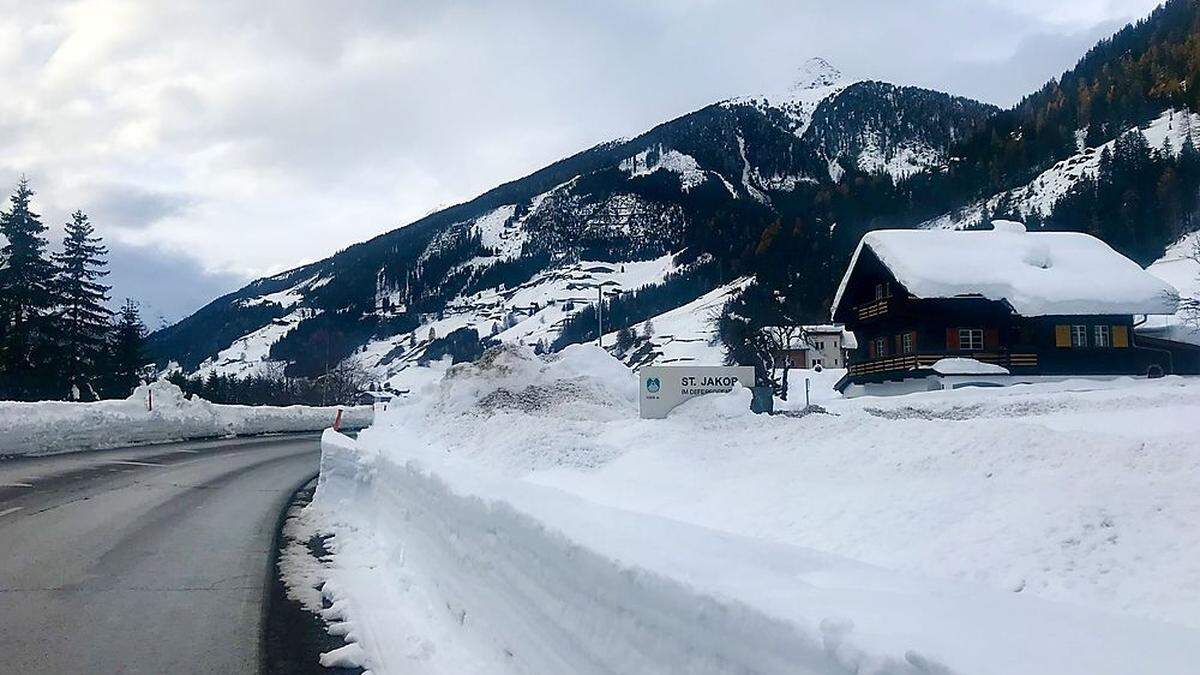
(292, 638)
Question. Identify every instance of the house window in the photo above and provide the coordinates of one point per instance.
(1101, 337)
(970, 339)
(883, 290)
(881, 346)
(1078, 336)
(816, 362)
(906, 343)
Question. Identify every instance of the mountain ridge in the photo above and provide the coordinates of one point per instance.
(747, 187)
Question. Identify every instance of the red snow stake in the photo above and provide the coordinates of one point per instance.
(337, 421)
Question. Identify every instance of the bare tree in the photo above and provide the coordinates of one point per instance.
(1189, 307)
(344, 380)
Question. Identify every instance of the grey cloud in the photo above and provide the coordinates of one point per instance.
(130, 206)
(168, 286)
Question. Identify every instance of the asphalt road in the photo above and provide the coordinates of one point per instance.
(147, 560)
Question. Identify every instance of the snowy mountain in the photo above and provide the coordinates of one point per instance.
(516, 263)
(778, 187)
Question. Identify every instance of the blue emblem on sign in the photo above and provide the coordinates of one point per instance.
(653, 385)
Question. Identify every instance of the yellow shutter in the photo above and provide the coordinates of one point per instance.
(1062, 336)
(1120, 335)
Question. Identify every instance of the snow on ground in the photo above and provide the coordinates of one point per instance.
(1177, 267)
(46, 427)
(516, 516)
(1039, 196)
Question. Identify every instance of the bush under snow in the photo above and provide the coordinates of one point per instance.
(517, 517)
(54, 426)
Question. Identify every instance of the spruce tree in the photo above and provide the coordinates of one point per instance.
(125, 358)
(26, 302)
(84, 320)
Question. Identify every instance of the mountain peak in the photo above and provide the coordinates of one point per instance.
(814, 74)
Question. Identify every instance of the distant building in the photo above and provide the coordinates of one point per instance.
(825, 345)
(939, 309)
(374, 397)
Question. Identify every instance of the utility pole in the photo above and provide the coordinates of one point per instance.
(600, 315)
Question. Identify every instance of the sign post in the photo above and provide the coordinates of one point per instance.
(661, 388)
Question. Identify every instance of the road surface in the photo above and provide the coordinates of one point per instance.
(147, 560)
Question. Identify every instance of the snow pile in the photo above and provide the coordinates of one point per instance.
(55, 426)
(962, 366)
(1038, 273)
(517, 517)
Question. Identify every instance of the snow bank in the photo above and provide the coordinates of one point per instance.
(518, 517)
(54, 426)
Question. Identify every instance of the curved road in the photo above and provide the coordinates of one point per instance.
(143, 560)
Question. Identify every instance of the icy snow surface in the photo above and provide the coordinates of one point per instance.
(54, 426)
(1038, 273)
(517, 517)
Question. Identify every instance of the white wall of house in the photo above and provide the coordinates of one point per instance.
(827, 350)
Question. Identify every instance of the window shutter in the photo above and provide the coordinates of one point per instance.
(871, 348)
(951, 338)
(991, 338)
(899, 344)
(1062, 336)
(1120, 336)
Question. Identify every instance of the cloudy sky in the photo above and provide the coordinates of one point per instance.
(213, 141)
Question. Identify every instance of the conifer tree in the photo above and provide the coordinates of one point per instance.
(126, 358)
(84, 320)
(26, 302)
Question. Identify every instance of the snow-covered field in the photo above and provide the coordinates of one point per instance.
(516, 516)
(48, 427)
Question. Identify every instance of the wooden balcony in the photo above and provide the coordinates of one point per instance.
(873, 309)
(1014, 361)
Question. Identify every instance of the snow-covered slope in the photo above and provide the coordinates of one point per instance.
(1037, 198)
(684, 335)
(518, 517)
(529, 314)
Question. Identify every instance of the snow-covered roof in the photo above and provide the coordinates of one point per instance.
(1037, 273)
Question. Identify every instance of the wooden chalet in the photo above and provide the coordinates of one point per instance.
(935, 309)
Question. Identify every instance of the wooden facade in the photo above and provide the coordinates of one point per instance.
(899, 334)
